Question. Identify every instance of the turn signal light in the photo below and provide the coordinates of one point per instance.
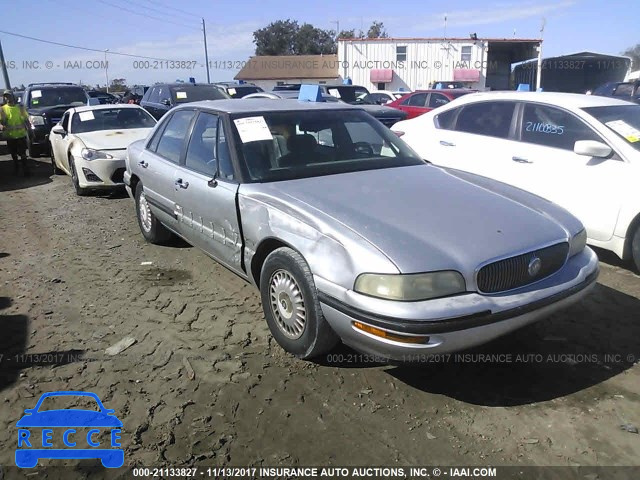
(391, 336)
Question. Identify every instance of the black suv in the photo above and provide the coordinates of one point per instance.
(46, 103)
(238, 90)
(161, 98)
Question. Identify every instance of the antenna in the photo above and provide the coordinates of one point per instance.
(542, 25)
(514, 33)
(445, 26)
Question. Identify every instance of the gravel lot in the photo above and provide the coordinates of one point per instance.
(204, 383)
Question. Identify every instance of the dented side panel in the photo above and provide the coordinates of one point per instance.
(333, 251)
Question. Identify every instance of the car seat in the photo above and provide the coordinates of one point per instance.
(301, 150)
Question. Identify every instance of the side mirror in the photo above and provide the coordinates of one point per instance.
(166, 102)
(591, 148)
(57, 129)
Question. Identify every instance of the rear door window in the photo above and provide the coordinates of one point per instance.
(492, 119)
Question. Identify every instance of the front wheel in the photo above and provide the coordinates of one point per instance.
(152, 230)
(291, 306)
(635, 248)
(80, 191)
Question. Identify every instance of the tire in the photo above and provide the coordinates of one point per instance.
(152, 229)
(34, 152)
(54, 164)
(287, 290)
(80, 191)
(635, 248)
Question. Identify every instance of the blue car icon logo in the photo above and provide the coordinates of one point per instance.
(79, 430)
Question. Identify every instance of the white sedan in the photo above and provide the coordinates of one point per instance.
(89, 143)
(579, 151)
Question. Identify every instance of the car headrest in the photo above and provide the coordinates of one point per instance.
(301, 143)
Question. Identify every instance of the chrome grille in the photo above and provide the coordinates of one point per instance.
(513, 272)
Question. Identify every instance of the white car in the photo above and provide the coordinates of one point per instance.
(579, 151)
(89, 143)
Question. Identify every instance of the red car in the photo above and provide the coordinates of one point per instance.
(422, 101)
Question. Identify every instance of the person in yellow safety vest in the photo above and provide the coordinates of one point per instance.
(15, 125)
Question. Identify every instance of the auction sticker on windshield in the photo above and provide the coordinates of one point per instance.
(253, 129)
(181, 94)
(85, 116)
(622, 128)
(36, 94)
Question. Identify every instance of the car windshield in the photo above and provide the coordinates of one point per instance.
(187, 94)
(351, 95)
(69, 402)
(624, 120)
(111, 119)
(279, 146)
(51, 97)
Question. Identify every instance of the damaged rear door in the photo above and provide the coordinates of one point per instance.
(205, 193)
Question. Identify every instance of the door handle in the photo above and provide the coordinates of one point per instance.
(181, 184)
(143, 164)
(447, 144)
(521, 160)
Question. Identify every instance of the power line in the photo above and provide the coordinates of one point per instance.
(86, 48)
(151, 17)
(173, 8)
(169, 8)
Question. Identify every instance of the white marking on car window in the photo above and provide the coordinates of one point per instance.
(253, 129)
(85, 116)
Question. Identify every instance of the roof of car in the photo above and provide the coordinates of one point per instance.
(575, 100)
(260, 105)
(107, 106)
(175, 85)
(445, 90)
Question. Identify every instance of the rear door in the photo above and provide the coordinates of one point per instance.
(159, 162)
(477, 138)
(205, 192)
(414, 105)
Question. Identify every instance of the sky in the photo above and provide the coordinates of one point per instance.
(167, 31)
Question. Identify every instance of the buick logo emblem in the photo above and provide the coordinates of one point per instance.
(535, 265)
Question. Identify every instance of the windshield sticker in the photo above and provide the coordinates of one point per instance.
(181, 94)
(622, 128)
(232, 91)
(84, 116)
(36, 94)
(35, 102)
(253, 129)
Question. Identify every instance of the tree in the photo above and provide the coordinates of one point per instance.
(634, 54)
(286, 37)
(350, 34)
(118, 85)
(376, 30)
(277, 38)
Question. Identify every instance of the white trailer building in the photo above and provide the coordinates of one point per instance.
(417, 63)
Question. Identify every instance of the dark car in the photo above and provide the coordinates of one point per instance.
(46, 103)
(103, 97)
(239, 90)
(423, 101)
(622, 90)
(161, 98)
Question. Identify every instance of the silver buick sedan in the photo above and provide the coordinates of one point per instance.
(348, 234)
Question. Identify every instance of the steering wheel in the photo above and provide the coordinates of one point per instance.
(363, 149)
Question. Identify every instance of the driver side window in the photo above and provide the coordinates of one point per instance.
(65, 121)
(201, 153)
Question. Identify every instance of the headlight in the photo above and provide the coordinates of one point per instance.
(578, 242)
(91, 154)
(36, 120)
(420, 286)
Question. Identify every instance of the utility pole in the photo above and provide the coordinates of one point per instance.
(337, 22)
(206, 53)
(106, 68)
(5, 74)
(539, 72)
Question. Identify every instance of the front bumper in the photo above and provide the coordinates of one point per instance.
(100, 173)
(40, 137)
(452, 323)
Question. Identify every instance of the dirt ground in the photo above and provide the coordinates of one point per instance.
(204, 383)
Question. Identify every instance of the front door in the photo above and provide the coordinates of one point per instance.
(160, 160)
(205, 193)
(590, 188)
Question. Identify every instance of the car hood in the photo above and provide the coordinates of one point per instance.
(112, 139)
(69, 418)
(425, 218)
